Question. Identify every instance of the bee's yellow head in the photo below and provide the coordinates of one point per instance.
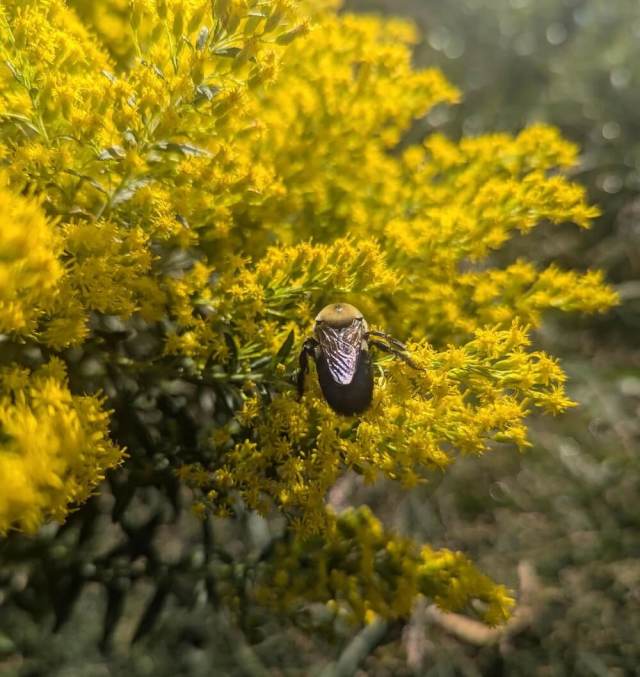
(339, 315)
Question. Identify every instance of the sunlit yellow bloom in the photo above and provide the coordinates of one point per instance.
(54, 446)
(29, 267)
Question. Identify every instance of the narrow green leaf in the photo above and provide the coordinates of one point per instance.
(285, 348)
(206, 92)
(203, 35)
(112, 153)
(182, 148)
(233, 352)
(260, 362)
(110, 76)
(289, 36)
(229, 52)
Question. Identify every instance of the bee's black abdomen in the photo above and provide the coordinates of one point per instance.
(354, 397)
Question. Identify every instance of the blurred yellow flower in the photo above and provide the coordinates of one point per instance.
(30, 269)
(54, 446)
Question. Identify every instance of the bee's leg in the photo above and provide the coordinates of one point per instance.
(388, 338)
(394, 351)
(308, 348)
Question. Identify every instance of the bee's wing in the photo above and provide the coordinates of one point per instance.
(341, 348)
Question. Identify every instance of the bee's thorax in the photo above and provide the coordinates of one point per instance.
(339, 315)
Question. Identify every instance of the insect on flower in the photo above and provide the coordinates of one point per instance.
(340, 348)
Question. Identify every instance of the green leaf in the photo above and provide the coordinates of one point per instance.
(233, 351)
(230, 52)
(260, 362)
(182, 148)
(112, 153)
(206, 92)
(285, 348)
(229, 396)
(130, 139)
(22, 121)
(253, 19)
(128, 191)
(289, 36)
(203, 35)
(110, 76)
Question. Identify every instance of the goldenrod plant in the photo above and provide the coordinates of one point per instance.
(184, 185)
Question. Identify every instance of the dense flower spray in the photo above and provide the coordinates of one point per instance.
(208, 175)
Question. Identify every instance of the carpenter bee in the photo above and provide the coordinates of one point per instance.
(340, 348)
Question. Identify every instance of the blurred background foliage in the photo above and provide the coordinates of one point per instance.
(558, 522)
(567, 508)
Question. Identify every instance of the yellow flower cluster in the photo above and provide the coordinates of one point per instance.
(29, 266)
(154, 156)
(216, 172)
(110, 20)
(261, 303)
(461, 398)
(184, 147)
(360, 571)
(54, 446)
